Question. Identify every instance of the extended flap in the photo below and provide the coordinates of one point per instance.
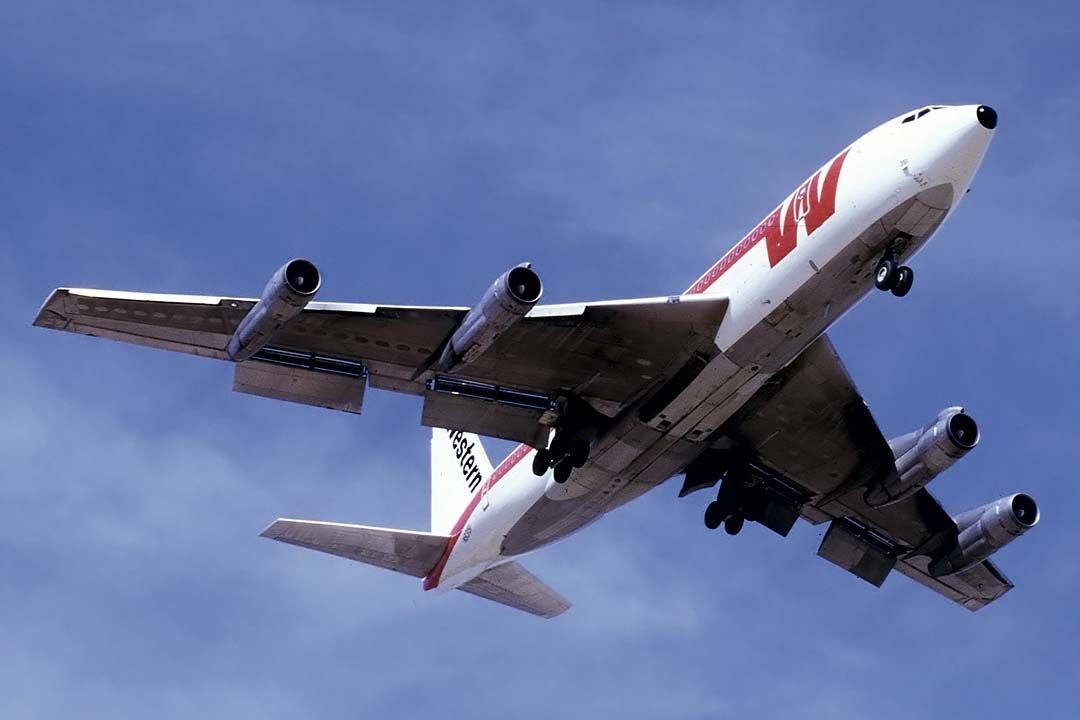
(321, 388)
(485, 417)
(855, 551)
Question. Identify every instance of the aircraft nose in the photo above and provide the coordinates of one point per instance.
(987, 116)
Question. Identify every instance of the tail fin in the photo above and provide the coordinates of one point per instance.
(459, 467)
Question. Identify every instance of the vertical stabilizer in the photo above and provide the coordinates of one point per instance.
(459, 467)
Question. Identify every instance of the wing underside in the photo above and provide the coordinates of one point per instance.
(606, 353)
(810, 426)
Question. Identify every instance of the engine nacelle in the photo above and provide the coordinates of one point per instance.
(289, 290)
(924, 454)
(985, 530)
(508, 299)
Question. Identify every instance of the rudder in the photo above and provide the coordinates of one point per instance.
(459, 467)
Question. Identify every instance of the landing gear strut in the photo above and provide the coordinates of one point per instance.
(890, 276)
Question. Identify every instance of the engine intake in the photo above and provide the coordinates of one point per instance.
(290, 289)
(923, 454)
(985, 530)
(509, 299)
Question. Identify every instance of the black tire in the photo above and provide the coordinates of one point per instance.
(579, 452)
(905, 278)
(541, 462)
(885, 275)
(562, 471)
(714, 515)
(733, 524)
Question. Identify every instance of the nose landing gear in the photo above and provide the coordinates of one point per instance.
(891, 276)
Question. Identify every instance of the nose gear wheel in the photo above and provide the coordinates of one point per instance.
(889, 276)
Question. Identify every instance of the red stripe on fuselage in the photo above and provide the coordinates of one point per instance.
(508, 463)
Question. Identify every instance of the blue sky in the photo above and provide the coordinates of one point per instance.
(414, 151)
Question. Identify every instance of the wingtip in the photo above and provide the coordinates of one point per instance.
(270, 531)
(46, 316)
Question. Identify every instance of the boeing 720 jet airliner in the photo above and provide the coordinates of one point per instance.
(731, 383)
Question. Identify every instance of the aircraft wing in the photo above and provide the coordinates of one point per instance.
(512, 585)
(606, 353)
(810, 426)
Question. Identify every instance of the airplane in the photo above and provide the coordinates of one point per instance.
(732, 383)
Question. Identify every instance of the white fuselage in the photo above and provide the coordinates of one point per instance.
(787, 281)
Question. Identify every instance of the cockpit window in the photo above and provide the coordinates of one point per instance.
(917, 115)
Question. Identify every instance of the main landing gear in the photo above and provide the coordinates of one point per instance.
(734, 501)
(891, 276)
(716, 514)
(574, 435)
(562, 457)
(747, 491)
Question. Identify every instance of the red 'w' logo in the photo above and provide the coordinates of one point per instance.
(813, 203)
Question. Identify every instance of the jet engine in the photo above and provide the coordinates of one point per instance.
(289, 290)
(924, 454)
(508, 299)
(985, 530)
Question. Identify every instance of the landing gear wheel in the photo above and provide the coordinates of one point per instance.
(541, 462)
(885, 275)
(905, 276)
(562, 471)
(579, 452)
(733, 524)
(714, 515)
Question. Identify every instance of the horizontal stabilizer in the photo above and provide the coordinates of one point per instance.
(404, 551)
(511, 584)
